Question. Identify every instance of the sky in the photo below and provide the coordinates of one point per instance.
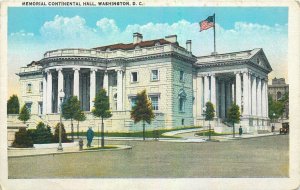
(33, 31)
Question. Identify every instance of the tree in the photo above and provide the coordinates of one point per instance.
(209, 115)
(64, 137)
(13, 106)
(71, 108)
(101, 109)
(234, 116)
(79, 117)
(142, 111)
(24, 114)
(276, 108)
(22, 139)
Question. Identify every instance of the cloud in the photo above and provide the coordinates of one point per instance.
(22, 33)
(73, 32)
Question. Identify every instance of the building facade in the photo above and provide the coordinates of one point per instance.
(177, 82)
(278, 90)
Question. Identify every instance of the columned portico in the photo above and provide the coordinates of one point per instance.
(77, 81)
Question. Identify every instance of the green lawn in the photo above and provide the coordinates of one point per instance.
(148, 134)
(206, 133)
(101, 148)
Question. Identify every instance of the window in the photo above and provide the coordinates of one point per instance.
(154, 101)
(114, 79)
(181, 104)
(133, 102)
(115, 101)
(40, 108)
(28, 106)
(29, 88)
(154, 75)
(134, 77)
(41, 86)
(182, 99)
(181, 76)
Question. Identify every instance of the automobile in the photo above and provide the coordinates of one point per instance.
(284, 129)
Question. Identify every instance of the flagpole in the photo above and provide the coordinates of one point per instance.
(215, 52)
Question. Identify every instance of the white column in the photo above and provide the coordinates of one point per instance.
(49, 92)
(105, 82)
(92, 87)
(233, 92)
(198, 96)
(120, 90)
(258, 103)
(238, 89)
(227, 96)
(76, 82)
(263, 99)
(213, 90)
(223, 99)
(254, 113)
(60, 86)
(44, 94)
(246, 94)
(206, 89)
(267, 99)
(250, 93)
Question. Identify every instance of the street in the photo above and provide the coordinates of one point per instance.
(254, 157)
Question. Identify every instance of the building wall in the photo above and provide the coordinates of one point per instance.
(185, 117)
(35, 95)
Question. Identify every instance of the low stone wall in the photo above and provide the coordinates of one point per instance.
(13, 126)
(55, 145)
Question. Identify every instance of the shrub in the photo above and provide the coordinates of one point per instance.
(42, 134)
(63, 134)
(22, 139)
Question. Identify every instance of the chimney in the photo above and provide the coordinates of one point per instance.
(137, 38)
(171, 38)
(189, 45)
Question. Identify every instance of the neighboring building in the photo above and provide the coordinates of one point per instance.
(177, 82)
(278, 89)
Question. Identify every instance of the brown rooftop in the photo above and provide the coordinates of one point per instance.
(131, 46)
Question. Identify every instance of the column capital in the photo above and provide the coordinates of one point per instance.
(121, 70)
(59, 69)
(237, 72)
(93, 69)
(76, 68)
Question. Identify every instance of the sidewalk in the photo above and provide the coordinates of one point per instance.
(17, 152)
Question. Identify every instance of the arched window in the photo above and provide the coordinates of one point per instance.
(279, 95)
(115, 100)
(182, 99)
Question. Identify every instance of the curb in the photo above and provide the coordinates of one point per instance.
(123, 147)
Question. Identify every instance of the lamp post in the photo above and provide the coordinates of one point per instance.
(274, 115)
(61, 95)
(203, 114)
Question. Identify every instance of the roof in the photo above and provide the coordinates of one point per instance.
(131, 46)
(234, 57)
(33, 63)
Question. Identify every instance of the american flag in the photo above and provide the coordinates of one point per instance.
(207, 23)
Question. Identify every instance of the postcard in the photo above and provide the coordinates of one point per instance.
(148, 94)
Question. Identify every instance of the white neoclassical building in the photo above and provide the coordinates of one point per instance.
(177, 82)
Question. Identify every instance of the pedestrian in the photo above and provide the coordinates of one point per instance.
(90, 136)
(240, 131)
(273, 127)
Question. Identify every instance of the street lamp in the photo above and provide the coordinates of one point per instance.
(203, 114)
(61, 96)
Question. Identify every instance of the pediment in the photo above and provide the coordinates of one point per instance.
(260, 59)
